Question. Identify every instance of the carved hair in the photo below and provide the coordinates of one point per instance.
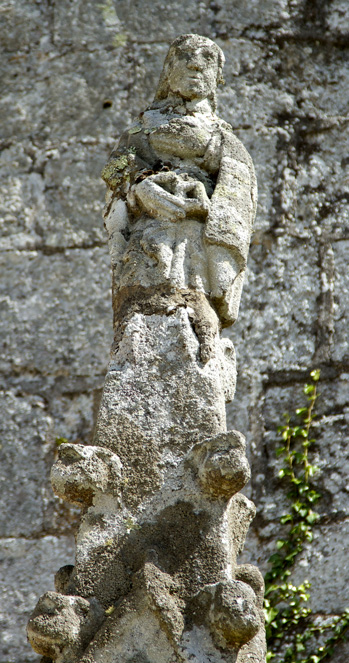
(191, 41)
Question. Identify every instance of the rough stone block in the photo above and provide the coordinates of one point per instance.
(86, 24)
(27, 569)
(67, 329)
(141, 18)
(232, 18)
(281, 288)
(40, 209)
(26, 456)
(338, 18)
(328, 453)
(22, 23)
(340, 341)
(323, 564)
(72, 414)
(262, 144)
(28, 432)
(319, 189)
(243, 100)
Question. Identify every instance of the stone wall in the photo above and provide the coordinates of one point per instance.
(74, 73)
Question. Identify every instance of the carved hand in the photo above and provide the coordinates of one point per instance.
(195, 198)
(168, 195)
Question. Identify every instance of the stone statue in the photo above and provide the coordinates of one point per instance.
(156, 577)
(182, 187)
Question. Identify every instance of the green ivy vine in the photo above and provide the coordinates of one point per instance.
(290, 625)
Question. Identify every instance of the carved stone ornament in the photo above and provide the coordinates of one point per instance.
(156, 578)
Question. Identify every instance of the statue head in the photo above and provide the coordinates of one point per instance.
(192, 70)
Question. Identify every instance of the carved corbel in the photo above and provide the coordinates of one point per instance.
(221, 465)
(83, 471)
(60, 626)
(230, 610)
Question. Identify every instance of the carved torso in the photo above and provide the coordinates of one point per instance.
(167, 247)
(184, 137)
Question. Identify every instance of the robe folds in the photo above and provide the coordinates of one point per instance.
(148, 246)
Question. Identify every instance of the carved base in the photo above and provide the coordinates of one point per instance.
(156, 578)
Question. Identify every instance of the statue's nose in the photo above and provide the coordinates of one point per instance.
(195, 61)
(195, 64)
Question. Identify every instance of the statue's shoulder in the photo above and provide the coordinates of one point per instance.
(134, 140)
(127, 139)
(232, 145)
(130, 155)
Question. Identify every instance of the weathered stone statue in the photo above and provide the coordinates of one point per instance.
(156, 578)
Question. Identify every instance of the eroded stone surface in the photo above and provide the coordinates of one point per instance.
(81, 471)
(61, 626)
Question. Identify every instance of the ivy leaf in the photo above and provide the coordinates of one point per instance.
(296, 481)
(286, 519)
(315, 375)
(313, 496)
(312, 470)
(280, 451)
(297, 506)
(312, 517)
(270, 615)
(297, 431)
(299, 457)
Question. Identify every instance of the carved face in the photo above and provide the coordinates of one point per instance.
(193, 73)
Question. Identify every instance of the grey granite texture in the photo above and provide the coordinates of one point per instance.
(73, 76)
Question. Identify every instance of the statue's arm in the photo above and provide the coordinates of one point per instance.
(229, 226)
(119, 174)
(233, 203)
(151, 196)
(167, 195)
(126, 161)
